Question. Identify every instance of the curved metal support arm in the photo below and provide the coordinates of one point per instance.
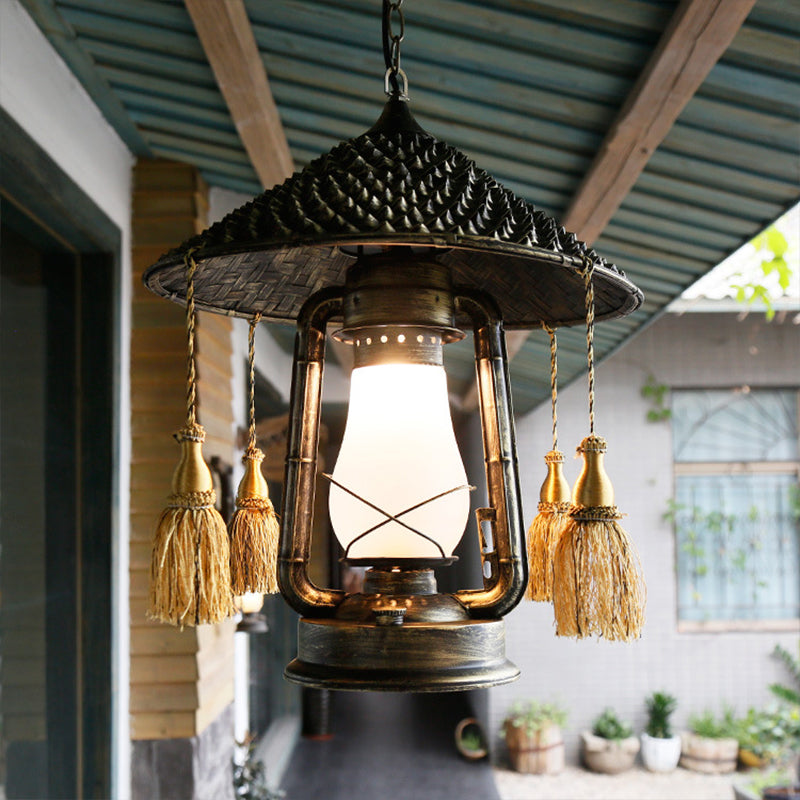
(297, 514)
(504, 588)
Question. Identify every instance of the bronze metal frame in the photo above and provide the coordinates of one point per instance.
(400, 633)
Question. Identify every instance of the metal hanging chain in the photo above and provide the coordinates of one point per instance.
(191, 375)
(588, 272)
(395, 76)
(251, 352)
(553, 380)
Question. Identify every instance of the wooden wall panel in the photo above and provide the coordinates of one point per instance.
(180, 680)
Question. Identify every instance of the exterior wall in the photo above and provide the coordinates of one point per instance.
(700, 669)
(40, 93)
(180, 680)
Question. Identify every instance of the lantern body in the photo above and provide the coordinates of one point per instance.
(399, 456)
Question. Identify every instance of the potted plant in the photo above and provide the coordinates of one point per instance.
(610, 746)
(470, 739)
(532, 731)
(660, 749)
(710, 745)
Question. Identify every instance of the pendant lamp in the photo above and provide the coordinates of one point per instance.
(404, 245)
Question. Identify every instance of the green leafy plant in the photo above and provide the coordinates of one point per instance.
(472, 740)
(773, 777)
(771, 245)
(609, 726)
(656, 393)
(709, 727)
(789, 694)
(772, 733)
(533, 716)
(250, 776)
(660, 707)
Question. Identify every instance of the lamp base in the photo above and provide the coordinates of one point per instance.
(406, 657)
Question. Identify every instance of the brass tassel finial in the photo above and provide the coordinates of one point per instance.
(254, 528)
(190, 566)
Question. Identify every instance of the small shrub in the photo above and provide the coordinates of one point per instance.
(533, 716)
(660, 707)
(609, 726)
(772, 734)
(709, 727)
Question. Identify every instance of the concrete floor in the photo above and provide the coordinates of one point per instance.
(575, 783)
(389, 745)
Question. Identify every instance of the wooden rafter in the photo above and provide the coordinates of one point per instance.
(227, 38)
(698, 34)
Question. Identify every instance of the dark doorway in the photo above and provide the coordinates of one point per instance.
(57, 306)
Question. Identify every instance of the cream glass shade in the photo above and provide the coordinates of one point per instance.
(398, 451)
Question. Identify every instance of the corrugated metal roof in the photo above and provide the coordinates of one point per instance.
(528, 89)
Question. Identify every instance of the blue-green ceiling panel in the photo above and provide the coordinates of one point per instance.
(528, 89)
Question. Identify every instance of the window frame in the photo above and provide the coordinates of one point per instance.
(724, 469)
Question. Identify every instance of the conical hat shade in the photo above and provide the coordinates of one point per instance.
(393, 185)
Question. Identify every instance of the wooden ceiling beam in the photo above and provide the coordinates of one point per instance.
(698, 34)
(227, 38)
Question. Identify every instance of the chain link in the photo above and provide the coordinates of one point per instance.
(395, 81)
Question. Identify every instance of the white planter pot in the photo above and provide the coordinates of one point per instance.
(661, 755)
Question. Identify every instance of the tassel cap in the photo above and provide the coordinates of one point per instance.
(593, 488)
(192, 475)
(253, 484)
(555, 488)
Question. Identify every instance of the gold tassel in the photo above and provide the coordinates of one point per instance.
(254, 532)
(554, 502)
(189, 573)
(254, 528)
(190, 579)
(546, 529)
(598, 586)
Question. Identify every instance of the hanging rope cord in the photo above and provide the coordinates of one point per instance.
(251, 361)
(553, 380)
(588, 272)
(191, 371)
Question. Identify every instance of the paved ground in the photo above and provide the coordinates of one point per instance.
(388, 746)
(636, 784)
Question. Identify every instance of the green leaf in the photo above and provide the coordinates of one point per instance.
(776, 241)
(784, 272)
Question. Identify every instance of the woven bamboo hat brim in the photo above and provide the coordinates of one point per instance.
(393, 185)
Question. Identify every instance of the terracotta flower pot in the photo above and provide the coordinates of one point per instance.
(715, 756)
(540, 753)
(609, 756)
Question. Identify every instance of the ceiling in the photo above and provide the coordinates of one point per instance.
(539, 93)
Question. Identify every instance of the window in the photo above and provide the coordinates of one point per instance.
(737, 505)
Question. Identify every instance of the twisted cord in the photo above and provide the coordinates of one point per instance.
(587, 277)
(191, 374)
(251, 351)
(553, 380)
